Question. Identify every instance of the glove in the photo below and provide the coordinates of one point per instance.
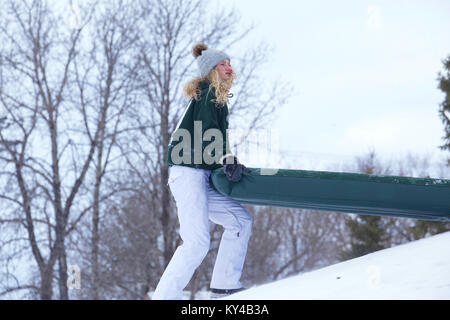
(233, 169)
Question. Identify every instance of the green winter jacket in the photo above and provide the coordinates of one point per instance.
(200, 138)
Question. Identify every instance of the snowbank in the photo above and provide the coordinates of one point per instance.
(416, 270)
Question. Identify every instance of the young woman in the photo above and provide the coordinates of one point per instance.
(197, 202)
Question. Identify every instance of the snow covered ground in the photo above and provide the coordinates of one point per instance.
(416, 270)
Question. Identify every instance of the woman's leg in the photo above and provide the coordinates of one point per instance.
(233, 246)
(189, 188)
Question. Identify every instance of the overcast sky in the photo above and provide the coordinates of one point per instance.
(364, 72)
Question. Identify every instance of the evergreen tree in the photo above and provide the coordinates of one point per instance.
(422, 229)
(444, 107)
(368, 234)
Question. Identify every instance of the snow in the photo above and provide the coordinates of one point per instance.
(415, 270)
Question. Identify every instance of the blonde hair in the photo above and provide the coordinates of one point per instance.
(222, 87)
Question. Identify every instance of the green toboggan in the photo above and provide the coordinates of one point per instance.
(406, 197)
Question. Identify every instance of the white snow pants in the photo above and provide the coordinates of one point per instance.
(197, 203)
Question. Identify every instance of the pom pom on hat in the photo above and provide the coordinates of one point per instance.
(198, 48)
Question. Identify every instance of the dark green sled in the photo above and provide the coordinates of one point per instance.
(418, 198)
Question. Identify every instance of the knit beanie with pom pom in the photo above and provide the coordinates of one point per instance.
(207, 58)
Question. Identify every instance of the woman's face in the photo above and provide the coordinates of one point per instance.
(224, 69)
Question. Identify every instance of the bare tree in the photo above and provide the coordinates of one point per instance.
(109, 68)
(50, 164)
(265, 244)
(112, 80)
(105, 73)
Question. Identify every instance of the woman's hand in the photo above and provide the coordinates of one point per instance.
(233, 169)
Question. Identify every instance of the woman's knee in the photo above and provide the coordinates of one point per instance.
(198, 249)
(246, 219)
(245, 222)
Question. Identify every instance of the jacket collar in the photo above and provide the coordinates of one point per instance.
(203, 84)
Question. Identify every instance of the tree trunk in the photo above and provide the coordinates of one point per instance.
(46, 289)
(95, 223)
(165, 192)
